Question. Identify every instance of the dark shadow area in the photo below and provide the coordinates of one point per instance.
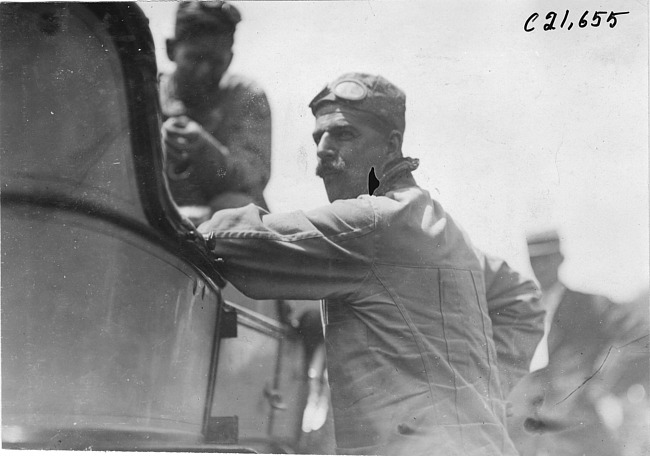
(373, 182)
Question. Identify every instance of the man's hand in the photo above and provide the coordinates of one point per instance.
(185, 138)
(187, 144)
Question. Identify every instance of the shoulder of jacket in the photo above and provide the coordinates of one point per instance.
(586, 304)
(237, 82)
(344, 218)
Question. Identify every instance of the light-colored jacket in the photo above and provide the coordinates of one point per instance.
(417, 321)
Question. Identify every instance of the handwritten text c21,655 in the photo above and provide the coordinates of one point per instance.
(588, 19)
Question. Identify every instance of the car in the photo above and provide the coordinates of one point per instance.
(115, 331)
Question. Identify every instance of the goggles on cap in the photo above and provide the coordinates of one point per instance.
(347, 89)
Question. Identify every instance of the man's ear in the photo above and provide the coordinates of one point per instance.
(394, 149)
(230, 58)
(171, 46)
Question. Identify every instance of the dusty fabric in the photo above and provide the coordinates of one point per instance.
(240, 119)
(412, 361)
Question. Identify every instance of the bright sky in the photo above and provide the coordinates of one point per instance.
(515, 131)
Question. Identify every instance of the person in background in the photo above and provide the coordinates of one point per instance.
(592, 357)
(419, 325)
(217, 127)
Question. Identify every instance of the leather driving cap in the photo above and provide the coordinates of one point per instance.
(368, 93)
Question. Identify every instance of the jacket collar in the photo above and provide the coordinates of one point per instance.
(397, 173)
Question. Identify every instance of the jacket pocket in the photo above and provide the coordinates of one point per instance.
(464, 328)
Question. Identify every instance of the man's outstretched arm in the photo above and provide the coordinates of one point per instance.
(323, 253)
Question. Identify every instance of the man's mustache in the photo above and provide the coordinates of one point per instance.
(326, 167)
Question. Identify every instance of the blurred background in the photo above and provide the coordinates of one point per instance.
(516, 132)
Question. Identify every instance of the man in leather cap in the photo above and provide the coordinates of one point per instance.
(424, 333)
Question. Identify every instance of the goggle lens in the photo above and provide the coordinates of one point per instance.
(351, 90)
(348, 89)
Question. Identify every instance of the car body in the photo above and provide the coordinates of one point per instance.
(115, 331)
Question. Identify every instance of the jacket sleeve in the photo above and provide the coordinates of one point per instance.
(517, 318)
(324, 253)
(247, 142)
(250, 145)
(243, 161)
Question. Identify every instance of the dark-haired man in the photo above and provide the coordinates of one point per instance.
(217, 131)
(423, 332)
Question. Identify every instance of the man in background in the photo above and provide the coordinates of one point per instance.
(217, 132)
(590, 364)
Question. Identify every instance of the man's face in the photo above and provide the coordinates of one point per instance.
(545, 268)
(347, 148)
(200, 64)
